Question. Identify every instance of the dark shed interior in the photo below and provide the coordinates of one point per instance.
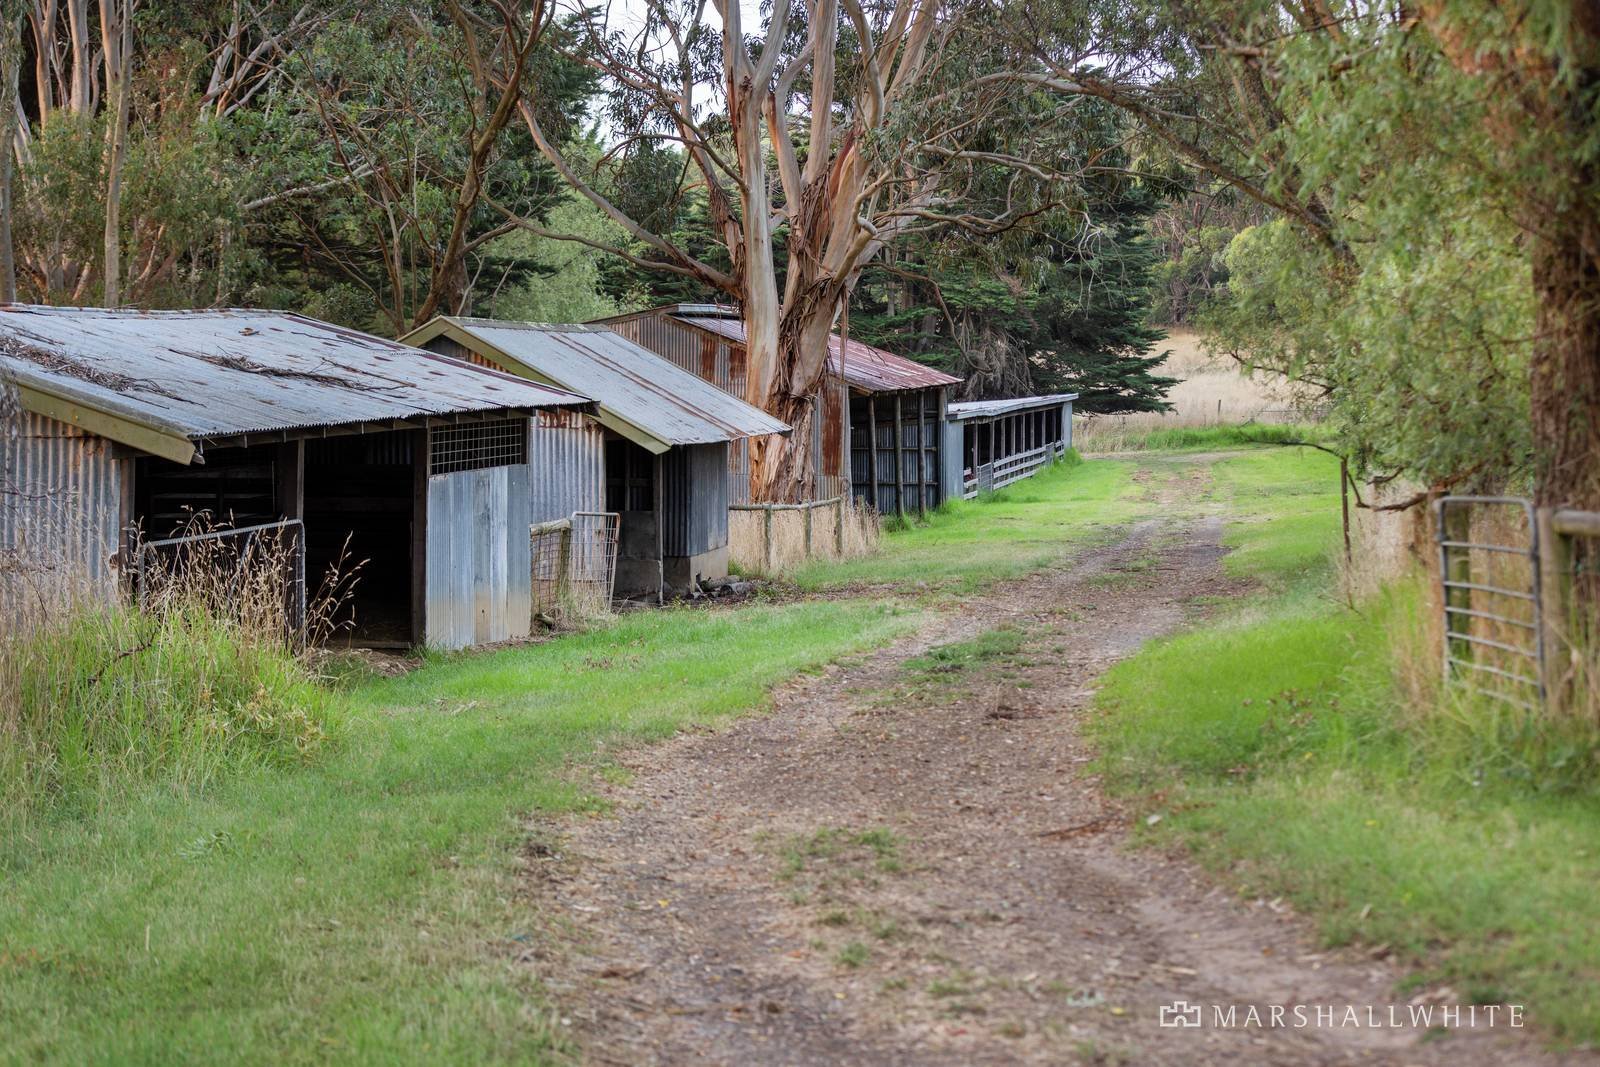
(356, 495)
(895, 449)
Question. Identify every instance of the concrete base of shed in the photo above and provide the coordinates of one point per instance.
(681, 572)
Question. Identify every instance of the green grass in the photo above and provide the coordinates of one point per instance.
(1273, 742)
(102, 699)
(1002, 643)
(1205, 438)
(968, 544)
(364, 909)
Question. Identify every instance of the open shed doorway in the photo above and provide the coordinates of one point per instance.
(356, 495)
(360, 515)
(632, 492)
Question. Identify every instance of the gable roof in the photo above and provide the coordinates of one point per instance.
(167, 381)
(864, 366)
(641, 396)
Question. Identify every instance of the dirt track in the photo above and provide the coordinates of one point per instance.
(895, 867)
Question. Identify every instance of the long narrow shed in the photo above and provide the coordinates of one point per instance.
(665, 435)
(877, 431)
(991, 443)
(134, 422)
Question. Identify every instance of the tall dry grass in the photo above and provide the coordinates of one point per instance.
(200, 680)
(747, 537)
(1211, 391)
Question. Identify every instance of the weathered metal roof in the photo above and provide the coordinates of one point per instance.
(628, 381)
(989, 409)
(208, 375)
(864, 367)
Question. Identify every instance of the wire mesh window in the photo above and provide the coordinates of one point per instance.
(483, 444)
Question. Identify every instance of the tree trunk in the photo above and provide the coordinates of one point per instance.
(784, 470)
(116, 29)
(1565, 401)
(1565, 388)
(10, 62)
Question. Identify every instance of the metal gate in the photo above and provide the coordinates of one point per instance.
(575, 563)
(1492, 615)
(226, 554)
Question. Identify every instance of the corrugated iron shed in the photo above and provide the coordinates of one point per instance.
(205, 376)
(864, 367)
(640, 395)
(989, 409)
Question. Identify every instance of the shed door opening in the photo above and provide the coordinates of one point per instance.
(359, 493)
(631, 492)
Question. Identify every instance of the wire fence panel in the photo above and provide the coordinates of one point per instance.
(1490, 590)
(575, 564)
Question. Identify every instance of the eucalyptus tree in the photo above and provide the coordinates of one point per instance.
(116, 172)
(815, 140)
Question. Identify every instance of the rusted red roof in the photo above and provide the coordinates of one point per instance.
(865, 367)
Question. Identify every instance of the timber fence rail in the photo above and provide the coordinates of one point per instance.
(1013, 468)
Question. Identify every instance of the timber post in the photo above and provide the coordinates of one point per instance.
(899, 459)
(922, 458)
(872, 448)
(766, 538)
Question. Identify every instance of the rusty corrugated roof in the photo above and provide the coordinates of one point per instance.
(864, 366)
(629, 382)
(206, 375)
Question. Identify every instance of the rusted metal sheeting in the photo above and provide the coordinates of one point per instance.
(714, 359)
(673, 333)
(60, 512)
(694, 500)
(567, 458)
(479, 563)
(989, 409)
(672, 404)
(864, 367)
(214, 374)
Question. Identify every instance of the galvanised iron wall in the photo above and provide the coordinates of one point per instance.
(694, 500)
(60, 511)
(479, 565)
(567, 465)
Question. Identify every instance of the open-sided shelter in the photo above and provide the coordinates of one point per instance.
(134, 422)
(992, 443)
(665, 435)
(877, 432)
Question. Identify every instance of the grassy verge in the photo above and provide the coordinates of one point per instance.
(101, 699)
(364, 909)
(1273, 743)
(967, 544)
(1199, 438)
